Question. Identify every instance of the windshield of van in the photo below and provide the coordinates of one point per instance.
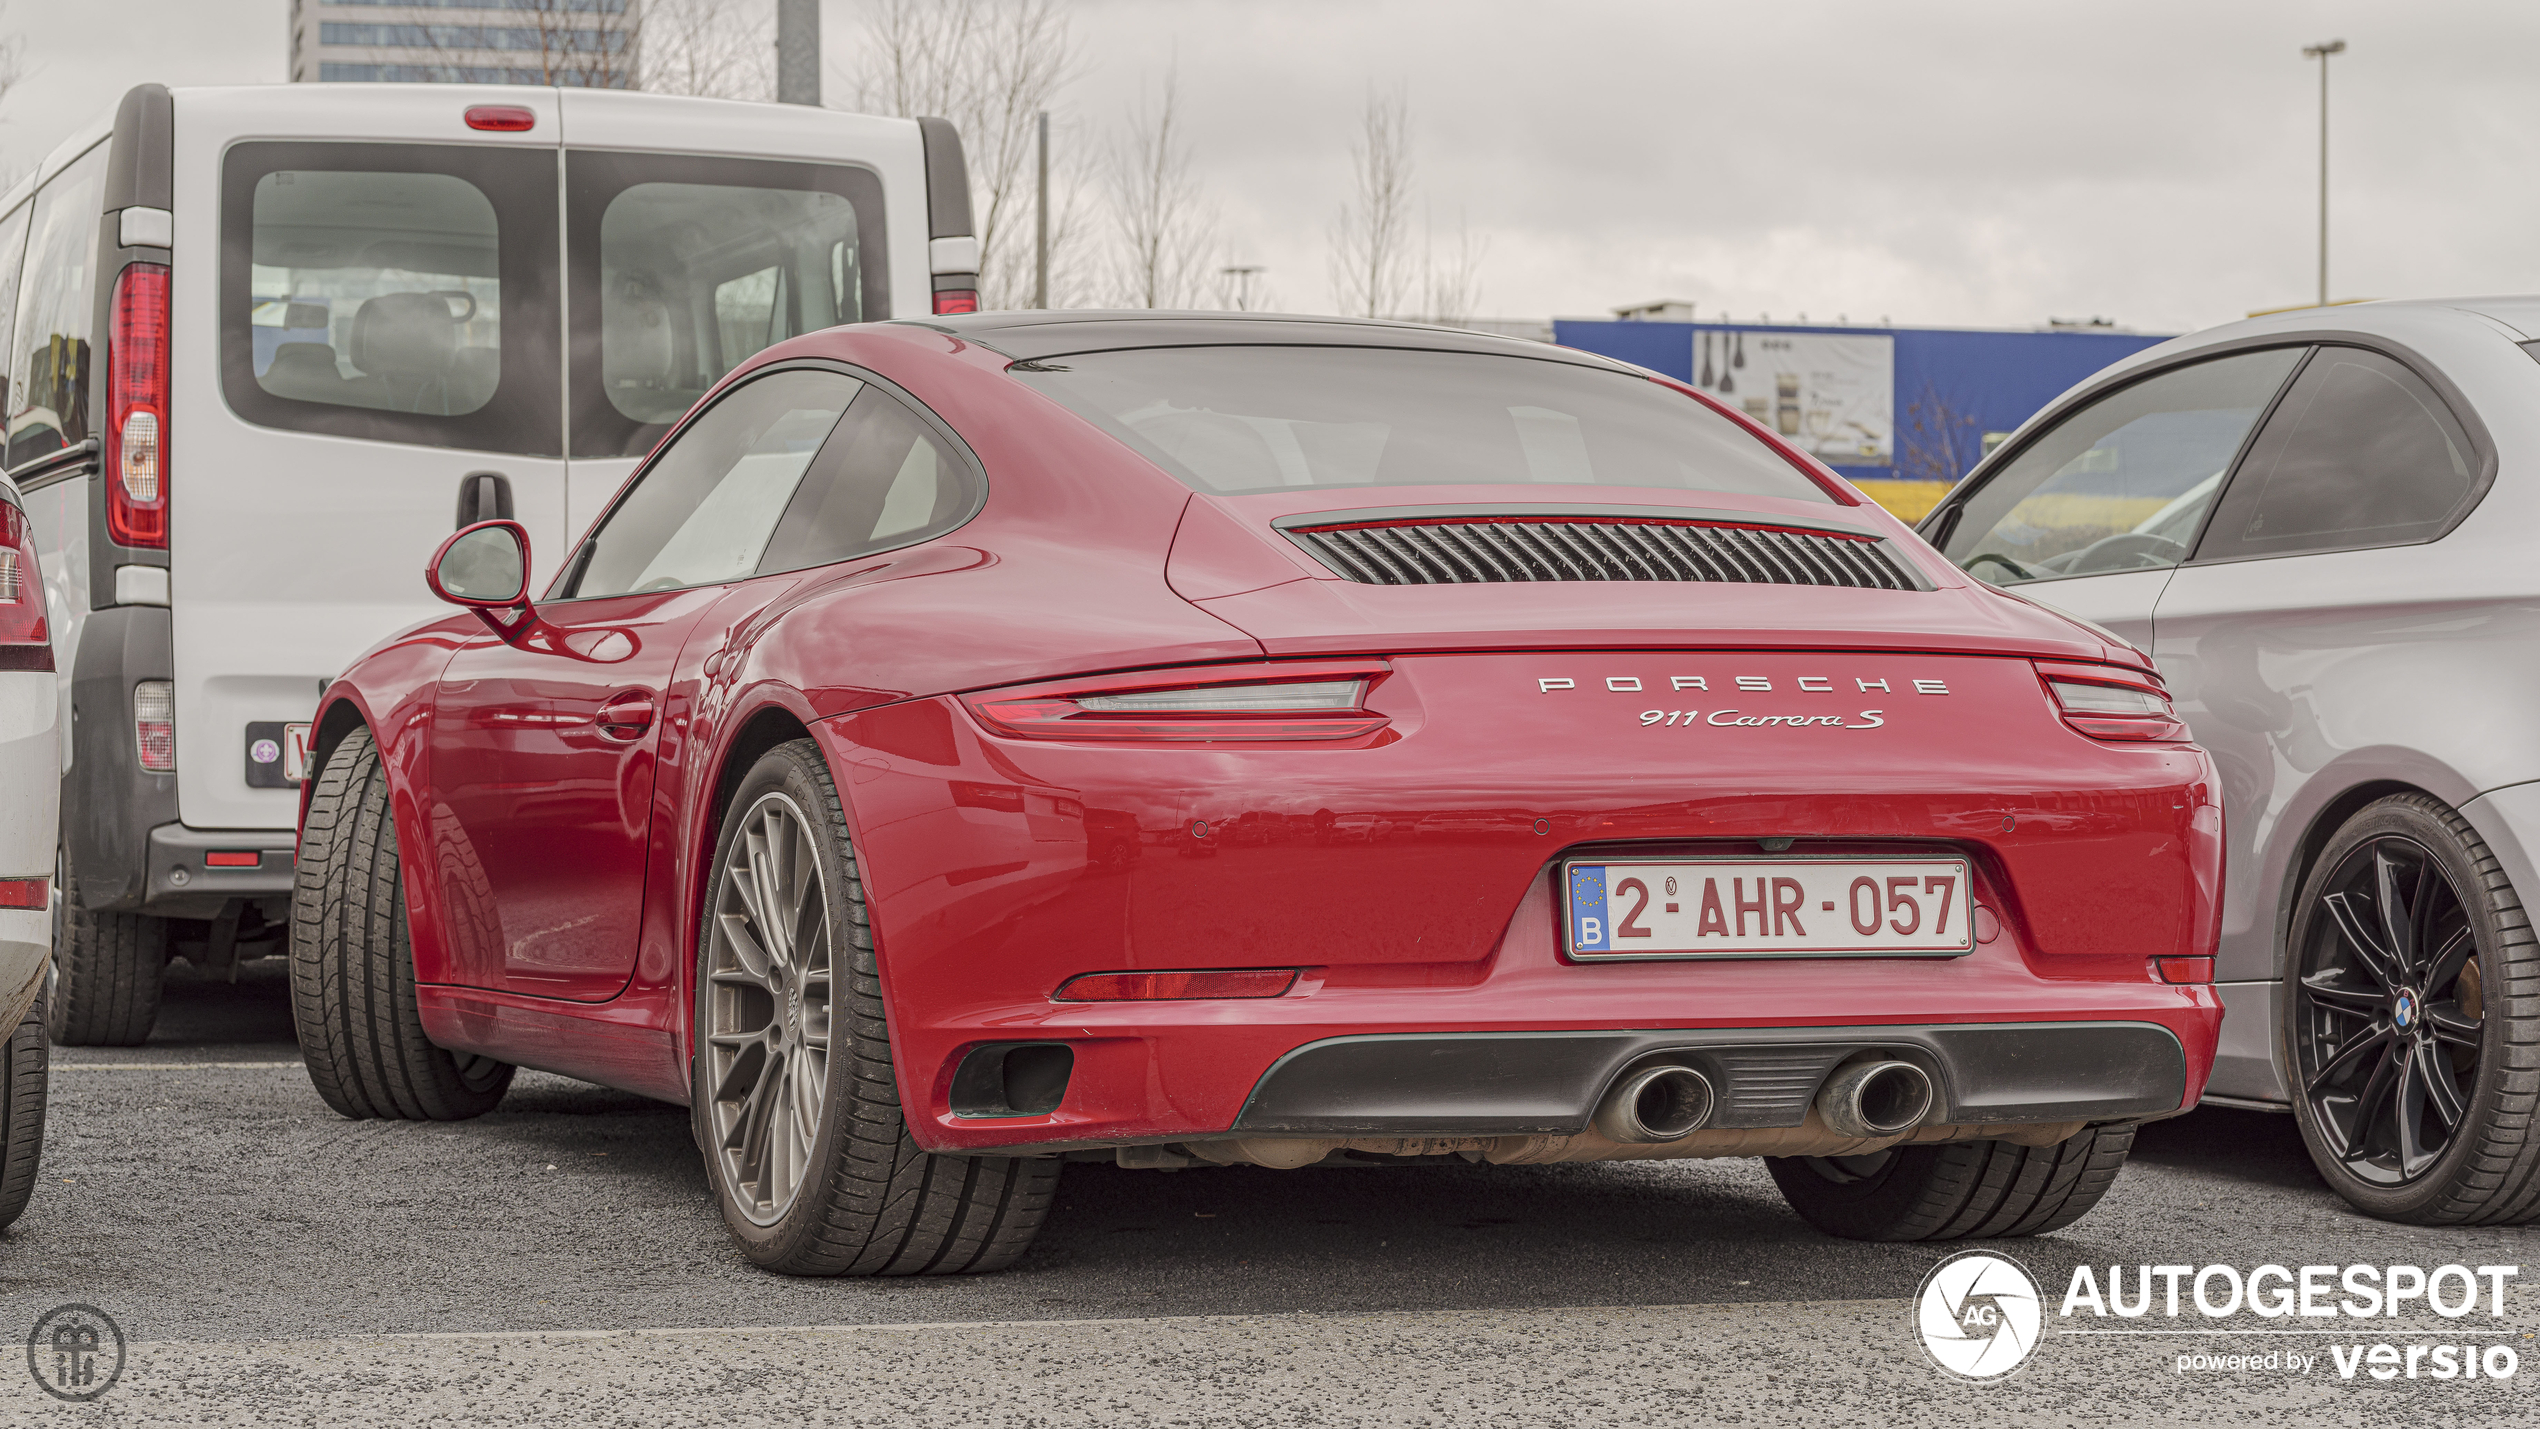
(1243, 419)
(376, 289)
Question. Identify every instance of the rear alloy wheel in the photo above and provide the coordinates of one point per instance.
(794, 1100)
(352, 969)
(2410, 1014)
(1954, 1190)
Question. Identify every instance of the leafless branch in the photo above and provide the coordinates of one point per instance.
(1159, 220)
(1943, 438)
(991, 67)
(1451, 280)
(1371, 235)
(719, 49)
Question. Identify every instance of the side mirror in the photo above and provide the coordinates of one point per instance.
(486, 569)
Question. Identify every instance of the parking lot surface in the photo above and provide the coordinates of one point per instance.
(560, 1258)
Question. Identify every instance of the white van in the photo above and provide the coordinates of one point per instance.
(270, 345)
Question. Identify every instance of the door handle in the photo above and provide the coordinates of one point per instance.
(484, 496)
(627, 716)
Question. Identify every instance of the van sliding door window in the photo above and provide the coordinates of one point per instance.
(400, 293)
(12, 249)
(57, 306)
(683, 267)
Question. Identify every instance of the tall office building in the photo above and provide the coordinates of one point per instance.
(593, 43)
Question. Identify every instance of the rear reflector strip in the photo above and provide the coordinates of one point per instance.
(23, 893)
(1173, 987)
(233, 858)
(2185, 970)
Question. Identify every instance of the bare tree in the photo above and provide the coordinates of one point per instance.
(1942, 440)
(991, 67)
(1163, 228)
(583, 44)
(1372, 234)
(1451, 281)
(718, 49)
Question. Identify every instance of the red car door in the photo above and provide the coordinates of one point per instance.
(543, 757)
(546, 746)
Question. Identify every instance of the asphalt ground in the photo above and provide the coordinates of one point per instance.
(559, 1261)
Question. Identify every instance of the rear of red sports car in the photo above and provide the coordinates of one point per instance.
(1499, 753)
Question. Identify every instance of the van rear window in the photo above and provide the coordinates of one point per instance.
(399, 293)
(49, 362)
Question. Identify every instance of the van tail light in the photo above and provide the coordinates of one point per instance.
(949, 301)
(25, 641)
(1175, 987)
(2111, 702)
(154, 725)
(1303, 700)
(137, 409)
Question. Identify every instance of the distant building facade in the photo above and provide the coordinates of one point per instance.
(582, 43)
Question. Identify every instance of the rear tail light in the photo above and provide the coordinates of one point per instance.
(1174, 987)
(2111, 701)
(949, 301)
(25, 641)
(137, 409)
(1320, 700)
(23, 893)
(154, 725)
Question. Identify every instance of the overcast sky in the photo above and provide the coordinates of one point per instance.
(1991, 162)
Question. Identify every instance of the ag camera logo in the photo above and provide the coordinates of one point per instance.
(1978, 1315)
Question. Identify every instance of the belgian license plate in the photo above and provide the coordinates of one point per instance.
(1745, 908)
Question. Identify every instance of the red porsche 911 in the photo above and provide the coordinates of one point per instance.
(971, 745)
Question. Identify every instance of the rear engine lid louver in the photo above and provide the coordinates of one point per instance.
(1440, 548)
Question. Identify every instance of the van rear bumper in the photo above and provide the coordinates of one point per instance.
(183, 882)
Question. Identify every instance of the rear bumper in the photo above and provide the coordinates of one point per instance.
(1521, 1083)
(182, 883)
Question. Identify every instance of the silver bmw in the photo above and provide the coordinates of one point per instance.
(2321, 523)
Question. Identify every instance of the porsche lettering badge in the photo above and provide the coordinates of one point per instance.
(1754, 684)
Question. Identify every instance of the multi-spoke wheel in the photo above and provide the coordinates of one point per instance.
(766, 1007)
(795, 1101)
(2411, 959)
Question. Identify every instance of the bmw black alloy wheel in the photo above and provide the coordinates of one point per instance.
(2388, 1011)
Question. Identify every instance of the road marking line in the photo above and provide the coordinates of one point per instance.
(159, 1066)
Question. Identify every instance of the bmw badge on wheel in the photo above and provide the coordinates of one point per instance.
(1978, 1315)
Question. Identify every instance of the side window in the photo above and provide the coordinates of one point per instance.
(2123, 483)
(12, 249)
(399, 293)
(2360, 453)
(885, 479)
(702, 511)
(684, 267)
(57, 303)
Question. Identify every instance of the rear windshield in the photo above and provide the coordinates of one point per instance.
(1238, 419)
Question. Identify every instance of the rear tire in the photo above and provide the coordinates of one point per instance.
(24, 1089)
(352, 968)
(108, 968)
(1956, 1190)
(863, 1199)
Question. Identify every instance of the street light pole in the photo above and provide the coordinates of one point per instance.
(1243, 274)
(1041, 228)
(798, 51)
(2321, 52)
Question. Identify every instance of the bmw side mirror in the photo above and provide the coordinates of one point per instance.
(486, 569)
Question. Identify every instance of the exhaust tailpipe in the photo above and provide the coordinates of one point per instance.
(1876, 1099)
(1656, 1104)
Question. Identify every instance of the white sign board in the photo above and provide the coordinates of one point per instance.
(1832, 395)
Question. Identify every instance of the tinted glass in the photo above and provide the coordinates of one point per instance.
(884, 479)
(393, 292)
(684, 266)
(1235, 419)
(57, 304)
(2360, 453)
(2123, 483)
(696, 277)
(379, 290)
(12, 249)
(701, 512)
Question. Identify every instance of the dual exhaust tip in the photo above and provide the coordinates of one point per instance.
(1669, 1103)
